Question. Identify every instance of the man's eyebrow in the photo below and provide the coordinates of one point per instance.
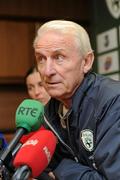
(60, 50)
(57, 50)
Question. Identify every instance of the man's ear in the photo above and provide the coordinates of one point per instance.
(88, 62)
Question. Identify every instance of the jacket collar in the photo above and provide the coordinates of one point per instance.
(77, 99)
(82, 91)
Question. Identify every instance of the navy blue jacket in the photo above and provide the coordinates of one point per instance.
(89, 148)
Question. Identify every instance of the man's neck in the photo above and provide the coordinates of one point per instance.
(66, 103)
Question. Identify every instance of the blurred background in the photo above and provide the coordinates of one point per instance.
(19, 20)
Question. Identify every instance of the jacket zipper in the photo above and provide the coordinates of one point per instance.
(60, 139)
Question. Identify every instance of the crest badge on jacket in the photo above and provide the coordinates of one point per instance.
(87, 139)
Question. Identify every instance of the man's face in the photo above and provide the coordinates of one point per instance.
(60, 64)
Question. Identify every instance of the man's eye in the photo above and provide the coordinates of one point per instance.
(59, 57)
(40, 59)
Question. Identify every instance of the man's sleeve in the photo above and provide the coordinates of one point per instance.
(69, 169)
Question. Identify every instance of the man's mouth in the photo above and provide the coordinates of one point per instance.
(52, 83)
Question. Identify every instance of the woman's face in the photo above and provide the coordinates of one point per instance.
(35, 88)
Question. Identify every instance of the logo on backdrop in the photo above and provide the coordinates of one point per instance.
(114, 8)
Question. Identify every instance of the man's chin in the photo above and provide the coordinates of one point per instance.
(54, 94)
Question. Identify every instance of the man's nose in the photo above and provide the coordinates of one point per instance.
(49, 67)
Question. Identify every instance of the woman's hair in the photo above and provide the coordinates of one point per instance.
(67, 27)
(31, 71)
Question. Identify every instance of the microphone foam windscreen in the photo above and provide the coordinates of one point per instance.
(25, 137)
(36, 152)
(29, 115)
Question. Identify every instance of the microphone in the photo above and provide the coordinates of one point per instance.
(23, 139)
(34, 155)
(29, 117)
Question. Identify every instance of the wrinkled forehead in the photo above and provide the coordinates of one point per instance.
(53, 44)
(58, 34)
(54, 39)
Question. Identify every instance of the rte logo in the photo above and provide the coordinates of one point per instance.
(27, 111)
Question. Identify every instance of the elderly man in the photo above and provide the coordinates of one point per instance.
(84, 111)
